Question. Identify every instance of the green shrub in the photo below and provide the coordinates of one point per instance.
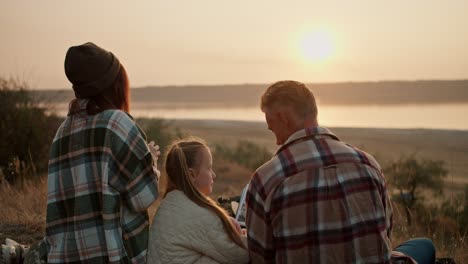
(161, 131)
(456, 208)
(246, 153)
(410, 175)
(26, 130)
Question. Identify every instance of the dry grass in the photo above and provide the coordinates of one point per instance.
(441, 230)
(22, 211)
(23, 214)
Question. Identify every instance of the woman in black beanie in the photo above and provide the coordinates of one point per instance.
(102, 174)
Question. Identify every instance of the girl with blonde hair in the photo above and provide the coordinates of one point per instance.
(189, 227)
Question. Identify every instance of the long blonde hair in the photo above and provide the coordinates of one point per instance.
(181, 156)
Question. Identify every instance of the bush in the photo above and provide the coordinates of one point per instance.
(26, 130)
(410, 175)
(160, 131)
(457, 209)
(246, 153)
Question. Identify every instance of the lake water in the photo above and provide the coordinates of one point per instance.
(441, 116)
(432, 116)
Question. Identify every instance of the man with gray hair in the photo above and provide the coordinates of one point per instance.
(318, 200)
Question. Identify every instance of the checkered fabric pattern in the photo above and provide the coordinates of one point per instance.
(319, 200)
(100, 184)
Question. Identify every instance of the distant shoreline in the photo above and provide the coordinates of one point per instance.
(345, 93)
(266, 84)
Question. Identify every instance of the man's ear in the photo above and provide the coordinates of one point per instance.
(283, 117)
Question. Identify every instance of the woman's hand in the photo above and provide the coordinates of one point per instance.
(236, 225)
(155, 153)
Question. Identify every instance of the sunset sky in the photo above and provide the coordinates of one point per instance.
(233, 42)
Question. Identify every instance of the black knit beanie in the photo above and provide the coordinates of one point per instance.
(91, 69)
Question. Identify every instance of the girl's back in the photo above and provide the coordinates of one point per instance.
(183, 232)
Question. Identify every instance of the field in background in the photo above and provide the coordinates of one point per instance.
(385, 144)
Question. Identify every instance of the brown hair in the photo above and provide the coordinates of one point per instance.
(290, 93)
(181, 156)
(117, 96)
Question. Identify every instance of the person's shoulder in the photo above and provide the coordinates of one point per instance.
(177, 201)
(364, 157)
(119, 122)
(267, 177)
(171, 211)
(116, 115)
(63, 129)
(372, 160)
(177, 211)
(269, 168)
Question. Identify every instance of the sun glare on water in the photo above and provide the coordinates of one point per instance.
(317, 46)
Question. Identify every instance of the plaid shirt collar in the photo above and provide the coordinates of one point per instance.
(82, 107)
(305, 134)
(83, 103)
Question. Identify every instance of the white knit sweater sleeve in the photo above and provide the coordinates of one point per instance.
(212, 241)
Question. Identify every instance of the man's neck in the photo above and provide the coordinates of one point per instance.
(303, 125)
(310, 123)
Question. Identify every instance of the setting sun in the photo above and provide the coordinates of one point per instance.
(317, 46)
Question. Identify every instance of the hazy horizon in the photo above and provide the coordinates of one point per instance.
(345, 93)
(69, 87)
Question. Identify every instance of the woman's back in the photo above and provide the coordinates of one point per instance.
(87, 181)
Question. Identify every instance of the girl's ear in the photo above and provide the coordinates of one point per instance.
(192, 174)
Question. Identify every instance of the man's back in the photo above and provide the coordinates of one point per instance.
(318, 201)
